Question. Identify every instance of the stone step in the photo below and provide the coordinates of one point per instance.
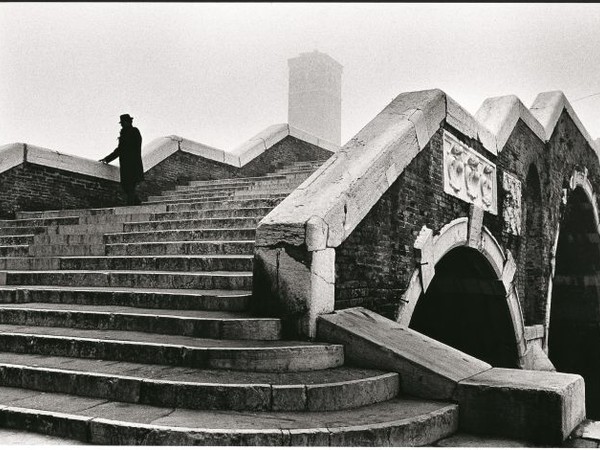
(179, 215)
(181, 248)
(114, 219)
(33, 221)
(177, 196)
(151, 279)
(197, 224)
(266, 202)
(243, 195)
(181, 387)
(17, 231)
(86, 228)
(134, 346)
(226, 182)
(204, 324)
(116, 211)
(66, 250)
(213, 213)
(302, 165)
(212, 191)
(183, 299)
(68, 239)
(24, 239)
(216, 234)
(13, 251)
(195, 263)
(465, 440)
(402, 422)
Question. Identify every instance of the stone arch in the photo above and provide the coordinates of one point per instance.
(534, 283)
(574, 318)
(455, 244)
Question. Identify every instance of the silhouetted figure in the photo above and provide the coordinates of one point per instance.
(129, 153)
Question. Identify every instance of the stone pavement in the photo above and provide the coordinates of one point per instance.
(18, 437)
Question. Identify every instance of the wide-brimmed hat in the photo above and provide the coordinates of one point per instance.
(125, 117)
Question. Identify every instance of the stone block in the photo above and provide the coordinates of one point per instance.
(536, 359)
(475, 226)
(427, 367)
(351, 394)
(586, 435)
(424, 254)
(543, 407)
(11, 155)
(288, 397)
(316, 234)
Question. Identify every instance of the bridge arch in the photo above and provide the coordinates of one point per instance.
(459, 287)
(574, 323)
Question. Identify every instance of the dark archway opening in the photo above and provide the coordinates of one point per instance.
(465, 307)
(574, 334)
(534, 286)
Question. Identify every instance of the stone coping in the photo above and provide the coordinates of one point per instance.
(12, 155)
(156, 151)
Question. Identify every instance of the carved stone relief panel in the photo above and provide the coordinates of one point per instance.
(512, 204)
(468, 175)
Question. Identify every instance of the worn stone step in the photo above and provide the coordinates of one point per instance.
(130, 278)
(182, 248)
(235, 181)
(13, 250)
(302, 165)
(213, 213)
(117, 210)
(197, 224)
(225, 212)
(402, 422)
(205, 324)
(113, 219)
(263, 179)
(17, 231)
(193, 263)
(181, 387)
(215, 191)
(134, 346)
(86, 228)
(40, 221)
(25, 239)
(184, 299)
(68, 239)
(179, 196)
(266, 202)
(66, 250)
(215, 234)
(244, 195)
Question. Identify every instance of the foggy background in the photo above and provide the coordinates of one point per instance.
(218, 73)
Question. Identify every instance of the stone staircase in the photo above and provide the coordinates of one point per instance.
(132, 325)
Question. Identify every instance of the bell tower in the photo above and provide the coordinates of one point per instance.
(315, 95)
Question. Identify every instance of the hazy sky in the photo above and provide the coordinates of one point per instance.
(218, 73)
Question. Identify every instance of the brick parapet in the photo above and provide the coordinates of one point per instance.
(167, 161)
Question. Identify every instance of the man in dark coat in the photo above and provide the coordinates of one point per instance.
(129, 153)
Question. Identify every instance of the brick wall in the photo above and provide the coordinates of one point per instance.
(32, 187)
(374, 265)
(181, 168)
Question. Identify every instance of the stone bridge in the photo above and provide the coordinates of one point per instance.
(481, 232)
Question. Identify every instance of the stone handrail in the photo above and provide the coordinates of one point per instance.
(296, 242)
